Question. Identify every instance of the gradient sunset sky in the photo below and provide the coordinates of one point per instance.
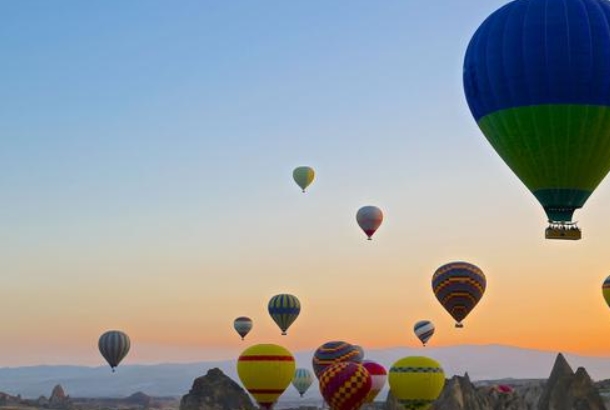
(145, 174)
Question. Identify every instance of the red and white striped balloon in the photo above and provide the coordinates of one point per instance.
(379, 375)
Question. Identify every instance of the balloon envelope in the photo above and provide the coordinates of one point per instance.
(284, 310)
(345, 386)
(378, 378)
(303, 379)
(537, 81)
(303, 176)
(424, 330)
(459, 286)
(416, 382)
(606, 290)
(333, 352)
(114, 346)
(369, 219)
(360, 353)
(266, 370)
(243, 326)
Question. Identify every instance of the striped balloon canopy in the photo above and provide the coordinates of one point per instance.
(459, 286)
(345, 386)
(303, 379)
(284, 310)
(378, 378)
(333, 352)
(606, 290)
(416, 382)
(537, 81)
(114, 346)
(424, 330)
(360, 353)
(303, 176)
(266, 370)
(243, 326)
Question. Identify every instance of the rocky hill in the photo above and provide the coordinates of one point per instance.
(564, 390)
(215, 391)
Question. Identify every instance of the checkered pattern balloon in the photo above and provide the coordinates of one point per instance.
(345, 386)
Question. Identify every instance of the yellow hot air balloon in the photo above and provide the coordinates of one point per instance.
(303, 176)
(266, 371)
(416, 382)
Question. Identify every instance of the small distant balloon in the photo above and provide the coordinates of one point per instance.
(606, 290)
(303, 379)
(369, 219)
(459, 286)
(243, 326)
(424, 330)
(284, 310)
(303, 176)
(378, 376)
(266, 371)
(114, 346)
(345, 386)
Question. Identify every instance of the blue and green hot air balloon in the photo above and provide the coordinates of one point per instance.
(537, 80)
(284, 310)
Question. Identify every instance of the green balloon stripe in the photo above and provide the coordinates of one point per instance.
(553, 146)
(561, 152)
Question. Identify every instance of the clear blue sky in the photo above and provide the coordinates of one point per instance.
(146, 153)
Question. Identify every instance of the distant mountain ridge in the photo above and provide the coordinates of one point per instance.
(487, 362)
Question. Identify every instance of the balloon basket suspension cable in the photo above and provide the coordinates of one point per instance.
(560, 230)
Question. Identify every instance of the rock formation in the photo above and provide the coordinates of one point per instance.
(566, 390)
(8, 400)
(59, 400)
(215, 391)
(139, 399)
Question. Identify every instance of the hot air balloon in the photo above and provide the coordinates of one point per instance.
(606, 290)
(369, 219)
(302, 380)
(424, 329)
(303, 176)
(345, 386)
(459, 286)
(378, 378)
(284, 310)
(360, 353)
(333, 352)
(242, 326)
(503, 389)
(537, 81)
(416, 382)
(114, 346)
(266, 371)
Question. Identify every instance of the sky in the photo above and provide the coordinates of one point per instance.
(146, 158)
